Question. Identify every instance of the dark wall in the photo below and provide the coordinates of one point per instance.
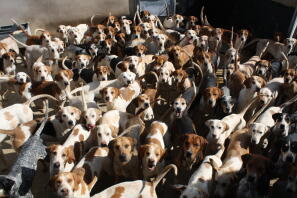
(262, 17)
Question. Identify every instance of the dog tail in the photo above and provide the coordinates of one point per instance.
(289, 102)
(263, 50)
(92, 183)
(250, 43)
(39, 30)
(21, 27)
(7, 132)
(85, 106)
(38, 97)
(92, 19)
(19, 42)
(164, 173)
(256, 115)
(201, 16)
(243, 111)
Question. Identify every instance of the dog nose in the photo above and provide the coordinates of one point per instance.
(188, 154)
(42, 78)
(228, 109)
(289, 159)
(251, 178)
(242, 39)
(210, 102)
(123, 158)
(282, 126)
(107, 98)
(261, 72)
(214, 136)
(57, 165)
(66, 83)
(103, 78)
(129, 81)
(103, 144)
(178, 109)
(70, 122)
(65, 191)
(146, 105)
(254, 141)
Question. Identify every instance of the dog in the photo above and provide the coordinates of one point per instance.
(9, 61)
(124, 156)
(72, 184)
(256, 181)
(271, 90)
(101, 73)
(152, 152)
(201, 180)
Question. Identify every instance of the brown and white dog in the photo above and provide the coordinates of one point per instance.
(138, 188)
(9, 60)
(124, 156)
(72, 184)
(152, 152)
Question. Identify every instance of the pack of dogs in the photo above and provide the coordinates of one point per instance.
(133, 98)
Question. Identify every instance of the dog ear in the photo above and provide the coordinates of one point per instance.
(226, 126)
(245, 158)
(28, 79)
(110, 147)
(248, 83)
(133, 145)
(51, 148)
(70, 154)
(52, 182)
(141, 152)
(78, 176)
(276, 116)
(77, 113)
(208, 122)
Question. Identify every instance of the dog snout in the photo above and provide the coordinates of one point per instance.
(242, 39)
(104, 144)
(129, 81)
(214, 136)
(254, 141)
(282, 126)
(123, 158)
(66, 83)
(65, 191)
(146, 104)
(107, 98)
(103, 78)
(289, 159)
(57, 165)
(178, 109)
(42, 78)
(71, 123)
(189, 154)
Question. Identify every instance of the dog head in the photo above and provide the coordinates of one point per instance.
(179, 106)
(54, 50)
(69, 116)
(282, 124)
(82, 60)
(193, 147)
(59, 156)
(224, 180)
(289, 149)
(109, 94)
(136, 31)
(101, 73)
(146, 27)
(227, 104)
(91, 116)
(64, 77)
(290, 75)
(150, 155)
(133, 61)
(22, 77)
(145, 15)
(164, 75)
(192, 20)
(217, 129)
(266, 95)
(140, 50)
(257, 167)
(178, 19)
(262, 67)
(104, 134)
(176, 51)
(257, 130)
(93, 50)
(255, 83)
(180, 75)
(42, 73)
(159, 61)
(230, 56)
(67, 183)
(143, 101)
(211, 95)
(123, 149)
(126, 26)
(203, 42)
(127, 78)
(191, 35)
(10, 57)
(290, 44)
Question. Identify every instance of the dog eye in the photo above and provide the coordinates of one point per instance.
(183, 103)
(212, 127)
(86, 117)
(254, 130)
(99, 134)
(72, 113)
(93, 116)
(148, 153)
(219, 127)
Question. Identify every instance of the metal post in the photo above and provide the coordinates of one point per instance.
(293, 24)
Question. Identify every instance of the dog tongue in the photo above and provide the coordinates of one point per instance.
(151, 167)
(178, 114)
(89, 126)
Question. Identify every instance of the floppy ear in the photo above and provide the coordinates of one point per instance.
(276, 116)
(78, 176)
(226, 126)
(28, 79)
(203, 142)
(245, 158)
(52, 182)
(133, 145)
(141, 152)
(247, 83)
(51, 148)
(208, 122)
(70, 154)
(110, 147)
(59, 115)
(77, 113)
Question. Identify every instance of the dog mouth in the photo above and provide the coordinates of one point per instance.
(151, 166)
(178, 114)
(90, 126)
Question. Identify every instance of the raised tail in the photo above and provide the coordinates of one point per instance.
(243, 111)
(21, 27)
(164, 173)
(19, 42)
(38, 97)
